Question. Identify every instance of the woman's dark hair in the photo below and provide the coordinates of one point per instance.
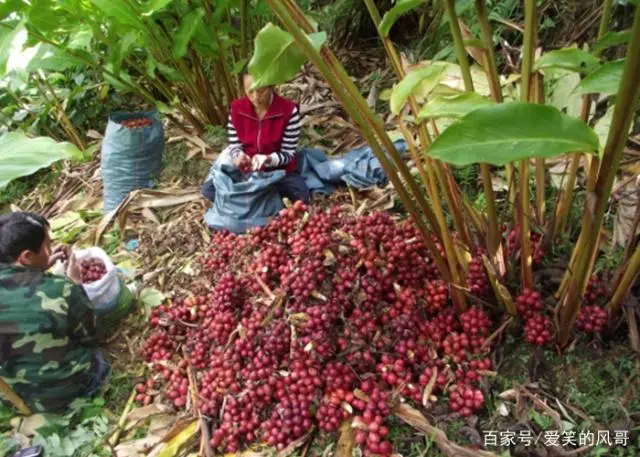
(21, 231)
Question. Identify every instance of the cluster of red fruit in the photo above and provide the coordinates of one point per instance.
(591, 319)
(513, 244)
(538, 329)
(136, 123)
(359, 312)
(92, 269)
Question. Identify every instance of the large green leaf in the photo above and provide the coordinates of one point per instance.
(186, 31)
(605, 80)
(277, 58)
(81, 39)
(453, 79)
(507, 132)
(8, 45)
(455, 106)
(603, 126)
(155, 5)
(22, 156)
(50, 58)
(46, 17)
(121, 11)
(568, 59)
(560, 91)
(423, 80)
(8, 7)
(612, 39)
(390, 17)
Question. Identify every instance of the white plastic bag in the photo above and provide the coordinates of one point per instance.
(104, 292)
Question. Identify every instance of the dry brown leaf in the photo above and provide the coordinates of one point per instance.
(94, 135)
(290, 449)
(625, 226)
(136, 447)
(346, 440)
(147, 411)
(474, 51)
(414, 418)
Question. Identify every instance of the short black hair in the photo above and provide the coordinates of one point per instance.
(21, 231)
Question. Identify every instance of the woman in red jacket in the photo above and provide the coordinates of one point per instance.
(263, 130)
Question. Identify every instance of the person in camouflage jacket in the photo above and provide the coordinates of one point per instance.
(48, 334)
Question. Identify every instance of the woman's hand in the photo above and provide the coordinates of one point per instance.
(241, 161)
(259, 161)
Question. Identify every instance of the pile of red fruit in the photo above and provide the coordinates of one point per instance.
(92, 269)
(318, 317)
(136, 123)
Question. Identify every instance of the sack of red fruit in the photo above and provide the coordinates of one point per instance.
(131, 154)
(104, 287)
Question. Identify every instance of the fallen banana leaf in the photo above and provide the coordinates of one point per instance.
(295, 445)
(414, 418)
(136, 447)
(173, 447)
(147, 411)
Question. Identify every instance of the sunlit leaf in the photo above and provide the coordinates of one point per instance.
(400, 8)
(186, 31)
(120, 10)
(603, 126)
(7, 45)
(605, 80)
(611, 39)
(568, 59)
(123, 83)
(170, 73)
(277, 57)
(22, 156)
(154, 6)
(560, 90)
(50, 58)
(151, 297)
(81, 39)
(508, 132)
(173, 447)
(423, 80)
(11, 6)
(456, 105)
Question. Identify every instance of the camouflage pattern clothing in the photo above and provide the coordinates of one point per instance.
(47, 337)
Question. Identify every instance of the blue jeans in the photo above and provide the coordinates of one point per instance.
(100, 371)
(291, 186)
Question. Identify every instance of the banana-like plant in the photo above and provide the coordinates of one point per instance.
(497, 132)
(179, 55)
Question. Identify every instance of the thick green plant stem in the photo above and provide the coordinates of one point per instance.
(295, 22)
(42, 83)
(594, 162)
(458, 42)
(631, 272)
(524, 214)
(566, 199)
(538, 88)
(597, 204)
(607, 9)
(562, 210)
(433, 171)
(490, 68)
